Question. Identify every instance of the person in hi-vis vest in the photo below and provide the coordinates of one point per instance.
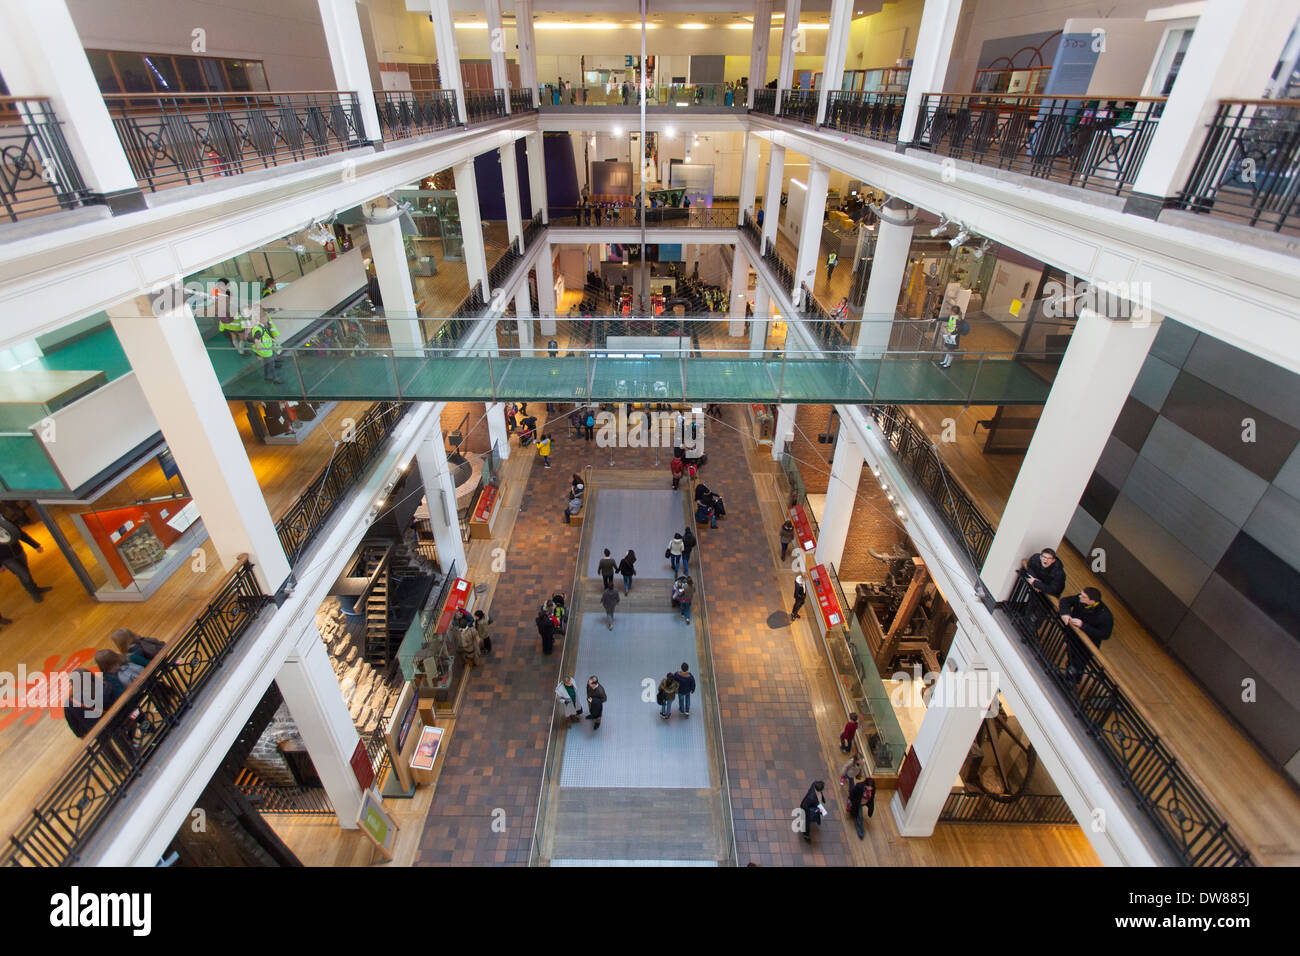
(229, 324)
(265, 341)
(951, 338)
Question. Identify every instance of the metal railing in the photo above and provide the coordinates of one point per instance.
(717, 96)
(824, 326)
(1091, 142)
(874, 115)
(188, 138)
(1249, 165)
(484, 105)
(764, 102)
(800, 105)
(38, 173)
(115, 752)
(1048, 808)
(335, 482)
(1184, 817)
(750, 228)
(625, 216)
(403, 114)
(521, 101)
(532, 230)
(299, 801)
(936, 481)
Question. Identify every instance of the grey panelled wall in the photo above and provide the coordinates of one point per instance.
(1196, 502)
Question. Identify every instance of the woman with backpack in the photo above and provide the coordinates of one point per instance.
(667, 693)
(589, 425)
(627, 568)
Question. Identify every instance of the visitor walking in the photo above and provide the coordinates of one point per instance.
(14, 558)
(664, 697)
(685, 687)
(607, 567)
(596, 698)
(787, 536)
(544, 449)
(685, 599)
(627, 568)
(674, 553)
(813, 808)
(688, 546)
(862, 792)
(800, 594)
(609, 600)
(848, 734)
(832, 261)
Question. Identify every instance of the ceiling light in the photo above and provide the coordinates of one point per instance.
(618, 131)
(984, 247)
(692, 26)
(669, 132)
(940, 229)
(958, 239)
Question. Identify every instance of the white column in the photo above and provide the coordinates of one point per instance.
(739, 286)
(789, 35)
(394, 274)
(810, 229)
(311, 692)
(348, 57)
(837, 43)
(1232, 54)
(524, 314)
(758, 325)
(444, 38)
(167, 354)
(497, 51)
(888, 269)
(496, 422)
(692, 253)
(510, 186)
(1096, 374)
(471, 226)
(41, 55)
(440, 492)
(772, 197)
(961, 698)
(535, 150)
(930, 62)
(527, 47)
(748, 177)
(784, 431)
(758, 48)
(546, 291)
(841, 496)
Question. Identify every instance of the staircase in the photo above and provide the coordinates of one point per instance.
(374, 564)
(269, 799)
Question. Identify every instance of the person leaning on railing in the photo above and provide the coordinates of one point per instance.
(1086, 612)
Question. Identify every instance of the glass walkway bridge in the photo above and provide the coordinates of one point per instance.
(624, 359)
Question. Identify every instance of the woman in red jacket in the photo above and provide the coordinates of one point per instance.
(676, 466)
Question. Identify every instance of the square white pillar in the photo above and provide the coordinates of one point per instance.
(496, 422)
(167, 354)
(1100, 365)
(930, 60)
(471, 227)
(784, 432)
(772, 195)
(841, 496)
(440, 492)
(527, 43)
(789, 39)
(497, 48)
(510, 187)
(837, 42)
(546, 290)
(888, 269)
(524, 314)
(758, 325)
(739, 288)
(748, 176)
(762, 36)
(535, 150)
(810, 228)
(311, 692)
(444, 38)
(388, 253)
(348, 58)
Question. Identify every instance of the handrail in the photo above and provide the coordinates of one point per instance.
(156, 95)
(39, 173)
(72, 809)
(1101, 97)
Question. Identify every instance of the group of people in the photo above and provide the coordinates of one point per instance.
(677, 685)
(567, 694)
(1086, 610)
(709, 505)
(473, 635)
(855, 776)
(551, 618)
(119, 667)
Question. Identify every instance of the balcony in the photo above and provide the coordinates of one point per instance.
(38, 174)
(764, 102)
(612, 216)
(665, 98)
(402, 114)
(1095, 143)
(521, 101)
(876, 116)
(1248, 169)
(189, 138)
(483, 106)
(800, 105)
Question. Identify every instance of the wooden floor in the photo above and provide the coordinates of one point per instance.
(35, 746)
(1261, 806)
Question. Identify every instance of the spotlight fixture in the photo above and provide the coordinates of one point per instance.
(984, 247)
(618, 131)
(958, 239)
(940, 229)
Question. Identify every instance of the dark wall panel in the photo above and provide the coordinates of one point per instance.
(1157, 607)
(1215, 417)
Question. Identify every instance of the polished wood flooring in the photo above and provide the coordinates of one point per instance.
(34, 747)
(1260, 804)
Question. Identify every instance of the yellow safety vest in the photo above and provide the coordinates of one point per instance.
(264, 337)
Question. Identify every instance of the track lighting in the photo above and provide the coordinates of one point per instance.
(940, 229)
(984, 247)
(958, 239)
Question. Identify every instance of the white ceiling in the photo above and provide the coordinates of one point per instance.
(628, 10)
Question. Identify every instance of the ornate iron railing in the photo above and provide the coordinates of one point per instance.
(1249, 165)
(484, 105)
(188, 138)
(1184, 817)
(800, 105)
(403, 114)
(37, 171)
(114, 753)
(1026, 808)
(822, 324)
(874, 115)
(521, 101)
(1092, 142)
(532, 229)
(750, 228)
(335, 483)
(936, 482)
(764, 102)
(625, 216)
(501, 269)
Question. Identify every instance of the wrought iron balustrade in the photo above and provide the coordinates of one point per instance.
(764, 102)
(1026, 808)
(37, 171)
(933, 479)
(1184, 817)
(403, 114)
(532, 229)
(1249, 165)
(826, 327)
(521, 101)
(800, 105)
(189, 138)
(484, 105)
(609, 215)
(750, 228)
(1087, 141)
(123, 740)
(874, 115)
(337, 480)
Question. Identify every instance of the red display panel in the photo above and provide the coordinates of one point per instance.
(803, 531)
(827, 601)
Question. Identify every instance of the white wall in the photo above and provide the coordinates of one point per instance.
(95, 431)
(1008, 282)
(1131, 45)
(883, 38)
(286, 35)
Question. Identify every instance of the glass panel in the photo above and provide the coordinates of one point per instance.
(163, 72)
(256, 75)
(238, 74)
(190, 71)
(215, 74)
(101, 64)
(135, 75)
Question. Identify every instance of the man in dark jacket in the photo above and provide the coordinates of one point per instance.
(689, 541)
(787, 536)
(607, 567)
(1086, 612)
(546, 628)
(862, 791)
(12, 556)
(811, 805)
(1045, 573)
(685, 687)
(800, 593)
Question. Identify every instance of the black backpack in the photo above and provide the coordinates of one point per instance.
(963, 327)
